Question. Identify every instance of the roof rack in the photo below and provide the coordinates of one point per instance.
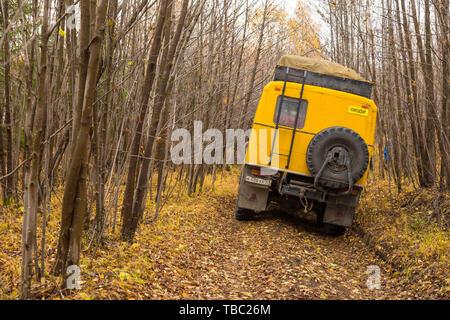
(360, 88)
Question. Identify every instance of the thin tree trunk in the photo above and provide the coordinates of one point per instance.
(7, 103)
(32, 188)
(427, 149)
(74, 200)
(127, 206)
(255, 68)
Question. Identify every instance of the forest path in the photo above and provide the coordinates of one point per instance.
(271, 257)
(196, 249)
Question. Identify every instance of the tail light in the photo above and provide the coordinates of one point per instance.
(257, 172)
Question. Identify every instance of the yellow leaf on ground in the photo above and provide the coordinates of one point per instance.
(123, 276)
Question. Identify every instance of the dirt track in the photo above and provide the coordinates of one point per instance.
(272, 257)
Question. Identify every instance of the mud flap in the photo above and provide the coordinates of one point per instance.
(339, 214)
(252, 196)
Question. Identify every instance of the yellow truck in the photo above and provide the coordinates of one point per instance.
(311, 143)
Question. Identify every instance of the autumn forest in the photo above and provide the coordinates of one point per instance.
(91, 93)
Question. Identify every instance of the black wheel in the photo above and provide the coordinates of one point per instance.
(340, 144)
(333, 229)
(243, 214)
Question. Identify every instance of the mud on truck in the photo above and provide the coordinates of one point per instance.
(316, 157)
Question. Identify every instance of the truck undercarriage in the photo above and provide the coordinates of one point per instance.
(294, 192)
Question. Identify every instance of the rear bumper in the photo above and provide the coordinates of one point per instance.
(361, 186)
(312, 194)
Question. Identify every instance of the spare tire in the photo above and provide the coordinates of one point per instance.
(344, 144)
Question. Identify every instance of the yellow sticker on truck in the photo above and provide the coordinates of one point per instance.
(362, 111)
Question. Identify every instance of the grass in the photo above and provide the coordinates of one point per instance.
(405, 227)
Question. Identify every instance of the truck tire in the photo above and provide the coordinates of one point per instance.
(333, 138)
(333, 230)
(243, 214)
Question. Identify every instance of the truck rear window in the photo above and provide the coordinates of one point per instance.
(289, 112)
